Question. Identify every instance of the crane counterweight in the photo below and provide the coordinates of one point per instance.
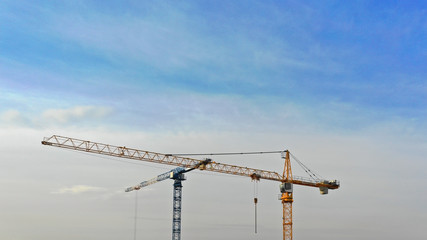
(185, 164)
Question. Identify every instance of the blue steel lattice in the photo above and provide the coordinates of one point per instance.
(177, 197)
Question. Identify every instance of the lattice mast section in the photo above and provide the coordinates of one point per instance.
(287, 179)
(287, 198)
(177, 204)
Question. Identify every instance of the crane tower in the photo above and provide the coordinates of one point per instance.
(286, 178)
(177, 175)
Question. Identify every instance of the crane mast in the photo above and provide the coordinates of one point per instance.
(286, 179)
(287, 190)
(178, 175)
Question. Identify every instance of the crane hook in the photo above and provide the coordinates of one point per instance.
(256, 202)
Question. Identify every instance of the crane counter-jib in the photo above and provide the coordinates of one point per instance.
(287, 178)
(142, 155)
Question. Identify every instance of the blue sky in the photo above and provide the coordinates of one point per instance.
(367, 58)
(326, 76)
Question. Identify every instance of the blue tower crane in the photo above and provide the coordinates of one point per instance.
(177, 174)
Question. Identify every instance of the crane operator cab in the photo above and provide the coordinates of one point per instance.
(286, 187)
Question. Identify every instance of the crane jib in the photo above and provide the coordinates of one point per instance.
(142, 155)
(208, 165)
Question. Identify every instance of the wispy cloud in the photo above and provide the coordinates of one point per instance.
(13, 117)
(296, 58)
(180, 40)
(77, 113)
(54, 117)
(79, 189)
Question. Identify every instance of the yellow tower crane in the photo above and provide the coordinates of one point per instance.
(286, 179)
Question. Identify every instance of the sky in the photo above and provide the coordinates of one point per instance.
(341, 85)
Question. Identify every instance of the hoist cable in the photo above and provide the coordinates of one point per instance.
(256, 202)
(136, 215)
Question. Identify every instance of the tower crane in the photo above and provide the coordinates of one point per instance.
(286, 178)
(177, 174)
